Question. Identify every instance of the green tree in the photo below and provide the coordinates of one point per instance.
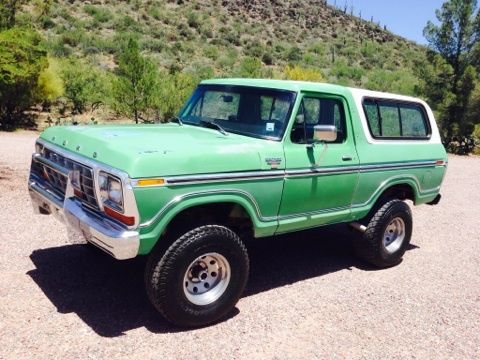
(136, 83)
(85, 85)
(21, 62)
(174, 90)
(455, 39)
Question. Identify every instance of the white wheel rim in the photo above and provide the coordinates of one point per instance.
(206, 279)
(394, 235)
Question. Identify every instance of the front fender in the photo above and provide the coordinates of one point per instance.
(151, 230)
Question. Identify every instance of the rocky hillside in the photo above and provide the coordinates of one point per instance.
(225, 37)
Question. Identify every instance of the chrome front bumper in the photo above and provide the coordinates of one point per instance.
(106, 234)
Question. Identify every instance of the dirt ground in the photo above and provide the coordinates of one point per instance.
(307, 297)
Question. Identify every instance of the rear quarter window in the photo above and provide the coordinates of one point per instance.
(396, 120)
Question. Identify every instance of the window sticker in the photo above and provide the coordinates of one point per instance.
(270, 126)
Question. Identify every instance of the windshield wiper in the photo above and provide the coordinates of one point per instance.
(213, 125)
(176, 119)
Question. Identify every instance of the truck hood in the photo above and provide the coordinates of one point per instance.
(166, 150)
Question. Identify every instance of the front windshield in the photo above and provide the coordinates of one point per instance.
(245, 110)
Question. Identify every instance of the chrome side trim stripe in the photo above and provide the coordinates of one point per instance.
(178, 180)
(396, 166)
(277, 174)
(321, 171)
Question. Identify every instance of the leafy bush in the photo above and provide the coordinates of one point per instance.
(85, 85)
(294, 54)
(342, 71)
(22, 60)
(401, 81)
(211, 52)
(50, 84)
(250, 68)
(47, 22)
(193, 20)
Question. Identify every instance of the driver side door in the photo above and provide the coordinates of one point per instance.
(320, 177)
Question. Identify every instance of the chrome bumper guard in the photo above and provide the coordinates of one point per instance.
(109, 236)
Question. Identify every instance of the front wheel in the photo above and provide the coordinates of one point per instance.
(200, 278)
(387, 235)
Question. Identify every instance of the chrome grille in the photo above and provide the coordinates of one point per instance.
(58, 181)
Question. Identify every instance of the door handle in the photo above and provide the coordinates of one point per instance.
(346, 158)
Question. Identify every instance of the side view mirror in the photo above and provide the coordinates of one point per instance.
(327, 133)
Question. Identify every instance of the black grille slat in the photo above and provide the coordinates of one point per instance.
(58, 182)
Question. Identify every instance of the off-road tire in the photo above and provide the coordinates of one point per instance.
(371, 247)
(165, 271)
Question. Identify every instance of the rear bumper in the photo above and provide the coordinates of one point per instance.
(106, 234)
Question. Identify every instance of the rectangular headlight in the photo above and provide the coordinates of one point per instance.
(111, 191)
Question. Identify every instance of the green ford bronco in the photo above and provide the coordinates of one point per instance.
(244, 159)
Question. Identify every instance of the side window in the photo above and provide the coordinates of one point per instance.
(318, 111)
(395, 119)
(413, 121)
(311, 110)
(371, 111)
(390, 120)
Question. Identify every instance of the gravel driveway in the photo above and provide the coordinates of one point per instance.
(308, 296)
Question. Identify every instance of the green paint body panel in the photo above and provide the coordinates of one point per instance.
(278, 204)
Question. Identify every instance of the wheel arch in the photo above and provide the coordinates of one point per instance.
(216, 206)
(403, 190)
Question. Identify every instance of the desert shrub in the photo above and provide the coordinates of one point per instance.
(127, 23)
(318, 49)
(185, 31)
(342, 71)
(250, 68)
(294, 54)
(254, 49)
(226, 63)
(46, 22)
(232, 37)
(267, 58)
(59, 49)
(211, 52)
(401, 81)
(298, 73)
(99, 13)
(193, 20)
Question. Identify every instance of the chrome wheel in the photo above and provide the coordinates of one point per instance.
(206, 279)
(394, 235)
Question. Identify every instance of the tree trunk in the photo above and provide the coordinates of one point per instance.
(135, 112)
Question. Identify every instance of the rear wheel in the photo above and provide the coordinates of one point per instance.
(200, 278)
(387, 236)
